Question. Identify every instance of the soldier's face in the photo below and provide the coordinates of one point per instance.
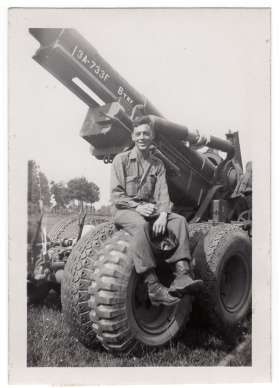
(143, 137)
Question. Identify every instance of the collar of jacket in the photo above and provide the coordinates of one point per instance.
(133, 155)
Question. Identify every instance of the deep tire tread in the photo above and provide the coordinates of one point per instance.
(109, 315)
(206, 269)
(77, 273)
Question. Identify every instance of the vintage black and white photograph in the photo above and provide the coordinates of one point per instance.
(133, 137)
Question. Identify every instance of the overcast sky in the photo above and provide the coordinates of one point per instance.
(204, 68)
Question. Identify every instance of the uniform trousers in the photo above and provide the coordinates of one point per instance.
(139, 231)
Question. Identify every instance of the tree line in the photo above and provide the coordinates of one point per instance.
(57, 195)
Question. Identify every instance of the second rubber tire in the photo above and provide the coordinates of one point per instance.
(68, 227)
(223, 260)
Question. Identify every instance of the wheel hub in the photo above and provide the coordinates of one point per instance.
(150, 318)
(234, 285)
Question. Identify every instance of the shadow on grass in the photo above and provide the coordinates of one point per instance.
(53, 299)
(198, 335)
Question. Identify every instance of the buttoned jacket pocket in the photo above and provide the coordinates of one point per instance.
(131, 185)
(148, 188)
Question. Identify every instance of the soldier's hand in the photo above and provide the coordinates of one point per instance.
(160, 224)
(146, 210)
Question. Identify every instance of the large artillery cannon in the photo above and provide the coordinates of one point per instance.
(102, 295)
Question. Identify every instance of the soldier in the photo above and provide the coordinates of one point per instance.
(139, 193)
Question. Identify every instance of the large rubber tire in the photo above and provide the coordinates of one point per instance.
(223, 260)
(69, 226)
(122, 314)
(196, 233)
(76, 280)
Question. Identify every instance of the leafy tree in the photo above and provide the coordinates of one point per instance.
(77, 188)
(60, 192)
(93, 193)
(45, 189)
(83, 191)
(38, 185)
(33, 191)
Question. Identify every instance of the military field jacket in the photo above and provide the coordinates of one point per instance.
(132, 185)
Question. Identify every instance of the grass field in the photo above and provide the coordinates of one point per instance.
(51, 344)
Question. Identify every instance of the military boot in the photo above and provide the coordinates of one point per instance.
(158, 294)
(183, 283)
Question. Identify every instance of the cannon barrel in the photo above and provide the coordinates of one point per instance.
(77, 64)
(67, 55)
(181, 132)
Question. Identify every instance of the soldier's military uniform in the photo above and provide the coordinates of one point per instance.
(132, 185)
